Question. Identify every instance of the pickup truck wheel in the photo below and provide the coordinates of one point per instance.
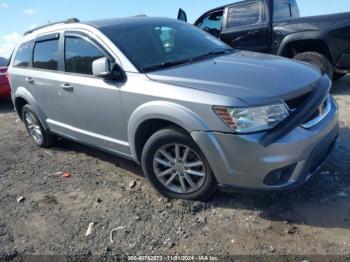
(35, 129)
(338, 76)
(176, 167)
(318, 60)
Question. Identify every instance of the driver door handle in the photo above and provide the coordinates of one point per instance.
(29, 80)
(67, 87)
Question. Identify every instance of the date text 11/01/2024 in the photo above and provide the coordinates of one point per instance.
(173, 258)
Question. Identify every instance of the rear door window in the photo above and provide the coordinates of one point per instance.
(295, 9)
(285, 9)
(244, 14)
(80, 54)
(24, 55)
(46, 55)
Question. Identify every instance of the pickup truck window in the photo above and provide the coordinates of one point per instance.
(295, 9)
(212, 23)
(244, 14)
(285, 9)
(166, 35)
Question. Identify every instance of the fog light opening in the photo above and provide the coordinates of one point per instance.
(280, 176)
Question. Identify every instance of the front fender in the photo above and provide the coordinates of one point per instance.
(308, 35)
(169, 111)
(22, 92)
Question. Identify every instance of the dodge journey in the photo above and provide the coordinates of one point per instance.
(195, 113)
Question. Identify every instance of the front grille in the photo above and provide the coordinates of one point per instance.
(316, 116)
(319, 114)
(294, 103)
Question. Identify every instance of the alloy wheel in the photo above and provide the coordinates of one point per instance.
(179, 168)
(33, 127)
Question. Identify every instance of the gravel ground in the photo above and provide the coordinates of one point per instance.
(108, 191)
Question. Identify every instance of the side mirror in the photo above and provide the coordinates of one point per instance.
(106, 69)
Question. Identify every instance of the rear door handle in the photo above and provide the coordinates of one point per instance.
(67, 87)
(254, 33)
(29, 80)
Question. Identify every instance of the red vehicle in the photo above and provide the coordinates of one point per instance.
(5, 90)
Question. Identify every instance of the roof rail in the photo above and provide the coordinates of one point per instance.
(67, 21)
(140, 15)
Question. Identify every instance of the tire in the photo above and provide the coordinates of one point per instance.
(199, 188)
(35, 129)
(318, 60)
(338, 76)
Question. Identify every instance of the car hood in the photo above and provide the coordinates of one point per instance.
(252, 77)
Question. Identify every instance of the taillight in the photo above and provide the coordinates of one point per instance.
(7, 75)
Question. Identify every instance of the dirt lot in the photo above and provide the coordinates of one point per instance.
(111, 192)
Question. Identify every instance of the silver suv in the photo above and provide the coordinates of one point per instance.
(194, 112)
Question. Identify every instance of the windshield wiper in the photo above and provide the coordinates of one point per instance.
(166, 65)
(213, 53)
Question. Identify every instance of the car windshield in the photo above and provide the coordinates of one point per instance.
(153, 45)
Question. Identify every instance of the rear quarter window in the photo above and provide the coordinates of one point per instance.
(46, 55)
(24, 55)
(285, 9)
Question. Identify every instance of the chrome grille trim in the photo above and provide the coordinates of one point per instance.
(324, 110)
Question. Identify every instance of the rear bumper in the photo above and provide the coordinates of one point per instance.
(242, 162)
(5, 91)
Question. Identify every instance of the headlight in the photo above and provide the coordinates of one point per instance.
(252, 119)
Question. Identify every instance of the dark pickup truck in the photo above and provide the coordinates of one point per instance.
(276, 27)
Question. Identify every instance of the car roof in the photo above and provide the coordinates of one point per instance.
(97, 28)
(135, 20)
(98, 24)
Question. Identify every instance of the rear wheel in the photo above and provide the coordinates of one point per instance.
(318, 60)
(35, 129)
(176, 167)
(338, 76)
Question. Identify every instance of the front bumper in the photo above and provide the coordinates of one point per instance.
(242, 162)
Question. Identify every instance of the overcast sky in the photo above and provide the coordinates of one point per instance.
(17, 16)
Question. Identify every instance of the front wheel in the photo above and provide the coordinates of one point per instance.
(176, 167)
(318, 60)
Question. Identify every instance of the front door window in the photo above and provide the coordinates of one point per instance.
(244, 15)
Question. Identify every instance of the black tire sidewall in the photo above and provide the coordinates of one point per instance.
(319, 60)
(338, 76)
(169, 136)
